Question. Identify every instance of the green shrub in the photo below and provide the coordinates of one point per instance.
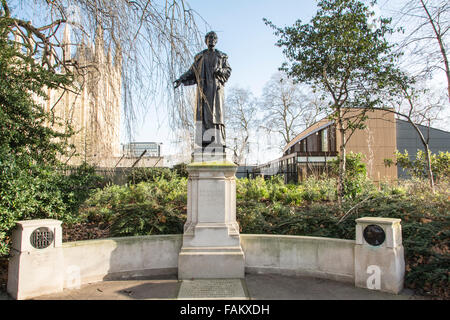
(145, 218)
(255, 189)
(293, 196)
(155, 207)
(417, 167)
(319, 189)
(355, 179)
(181, 170)
(78, 186)
(139, 175)
(353, 165)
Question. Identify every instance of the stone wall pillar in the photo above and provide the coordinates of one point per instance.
(211, 243)
(36, 265)
(379, 254)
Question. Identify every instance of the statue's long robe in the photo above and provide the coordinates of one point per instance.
(209, 71)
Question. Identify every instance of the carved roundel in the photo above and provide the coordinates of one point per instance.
(374, 235)
(41, 238)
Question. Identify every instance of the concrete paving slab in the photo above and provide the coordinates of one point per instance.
(255, 287)
(121, 290)
(276, 287)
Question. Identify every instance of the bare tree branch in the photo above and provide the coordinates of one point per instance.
(289, 107)
(153, 41)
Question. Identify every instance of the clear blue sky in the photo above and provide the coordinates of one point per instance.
(249, 43)
(243, 35)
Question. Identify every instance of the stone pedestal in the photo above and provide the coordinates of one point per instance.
(210, 154)
(379, 265)
(36, 264)
(211, 243)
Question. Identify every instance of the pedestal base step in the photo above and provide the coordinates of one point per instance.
(211, 263)
(213, 289)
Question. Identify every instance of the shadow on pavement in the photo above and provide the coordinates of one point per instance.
(157, 289)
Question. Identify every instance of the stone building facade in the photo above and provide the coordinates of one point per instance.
(94, 109)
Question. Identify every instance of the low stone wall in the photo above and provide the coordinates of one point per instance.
(116, 258)
(134, 257)
(295, 255)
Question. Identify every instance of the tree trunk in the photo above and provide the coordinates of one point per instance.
(441, 46)
(429, 171)
(427, 151)
(242, 150)
(342, 164)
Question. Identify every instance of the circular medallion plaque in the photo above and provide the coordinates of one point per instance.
(41, 238)
(374, 235)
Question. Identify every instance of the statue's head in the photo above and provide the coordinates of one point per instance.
(211, 39)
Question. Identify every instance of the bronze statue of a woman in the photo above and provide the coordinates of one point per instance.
(210, 71)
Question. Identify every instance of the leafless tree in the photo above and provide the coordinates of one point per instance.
(418, 107)
(425, 43)
(241, 121)
(288, 107)
(156, 41)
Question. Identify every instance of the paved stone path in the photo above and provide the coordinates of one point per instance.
(256, 287)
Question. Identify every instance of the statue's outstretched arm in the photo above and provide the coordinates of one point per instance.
(188, 78)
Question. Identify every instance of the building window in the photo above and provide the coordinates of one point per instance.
(325, 140)
(312, 143)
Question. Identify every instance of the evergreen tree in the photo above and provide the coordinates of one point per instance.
(29, 147)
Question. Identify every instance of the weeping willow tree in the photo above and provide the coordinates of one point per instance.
(156, 39)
